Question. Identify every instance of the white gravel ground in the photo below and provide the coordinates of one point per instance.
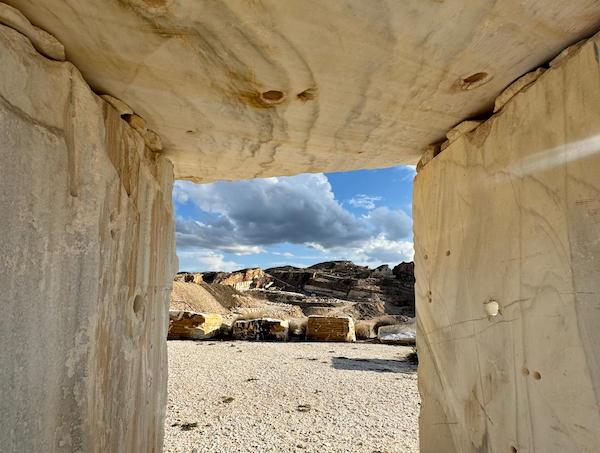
(291, 397)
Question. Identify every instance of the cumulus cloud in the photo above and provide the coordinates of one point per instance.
(364, 201)
(245, 217)
(205, 260)
(394, 224)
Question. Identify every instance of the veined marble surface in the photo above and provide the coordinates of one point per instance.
(239, 89)
(507, 247)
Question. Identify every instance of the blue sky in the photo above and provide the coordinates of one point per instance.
(364, 216)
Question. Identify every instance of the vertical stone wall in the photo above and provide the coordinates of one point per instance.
(86, 261)
(507, 236)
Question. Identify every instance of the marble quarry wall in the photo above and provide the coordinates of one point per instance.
(87, 258)
(507, 247)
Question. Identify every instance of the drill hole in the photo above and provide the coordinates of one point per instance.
(272, 96)
(307, 95)
(537, 376)
(474, 80)
(138, 305)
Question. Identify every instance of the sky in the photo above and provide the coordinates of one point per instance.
(364, 216)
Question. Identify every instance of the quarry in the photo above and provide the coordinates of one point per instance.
(104, 105)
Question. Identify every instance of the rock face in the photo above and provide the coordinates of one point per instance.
(345, 280)
(264, 96)
(327, 328)
(261, 329)
(187, 325)
(241, 280)
(507, 228)
(87, 211)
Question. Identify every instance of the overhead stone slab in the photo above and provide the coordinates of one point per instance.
(241, 89)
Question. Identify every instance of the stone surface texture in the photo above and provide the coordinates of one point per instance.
(86, 259)
(329, 328)
(507, 236)
(243, 89)
(187, 325)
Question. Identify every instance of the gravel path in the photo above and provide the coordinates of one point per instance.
(290, 397)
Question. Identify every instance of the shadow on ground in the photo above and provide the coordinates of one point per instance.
(379, 365)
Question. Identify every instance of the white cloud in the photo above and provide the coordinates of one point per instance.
(364, 201)
(205, 260)
(240, 250)
(245, 217)
(408, 172)
(376, 251)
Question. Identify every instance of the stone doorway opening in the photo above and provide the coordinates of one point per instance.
(284, 285)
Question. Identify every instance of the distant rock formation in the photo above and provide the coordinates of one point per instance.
(344, 280)
(241, 280)
(332, 288)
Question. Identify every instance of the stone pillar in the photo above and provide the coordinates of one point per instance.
(86, 261)
(507, 238)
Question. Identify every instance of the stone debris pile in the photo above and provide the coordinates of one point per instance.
(186, 325)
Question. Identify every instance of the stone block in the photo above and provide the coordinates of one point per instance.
(87, 210)
(328, 328)
(188, 325)
(507, 274)
(401, 334)
(260, 329)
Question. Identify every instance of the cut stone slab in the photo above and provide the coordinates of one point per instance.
(516, 87)
(401, 334)
(89, 212)
(508, 276)
(328, 328)
(269, 94)
(188, 325)
(260, 329)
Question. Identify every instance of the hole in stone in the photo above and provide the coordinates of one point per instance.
(513, 450)
(537, 376)
(426, 257)
(307, 95)
(475, 77)
(138, 305)
(447, 252)
(272, 96)
(474, 80)
(525, 371)
(189, 131)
